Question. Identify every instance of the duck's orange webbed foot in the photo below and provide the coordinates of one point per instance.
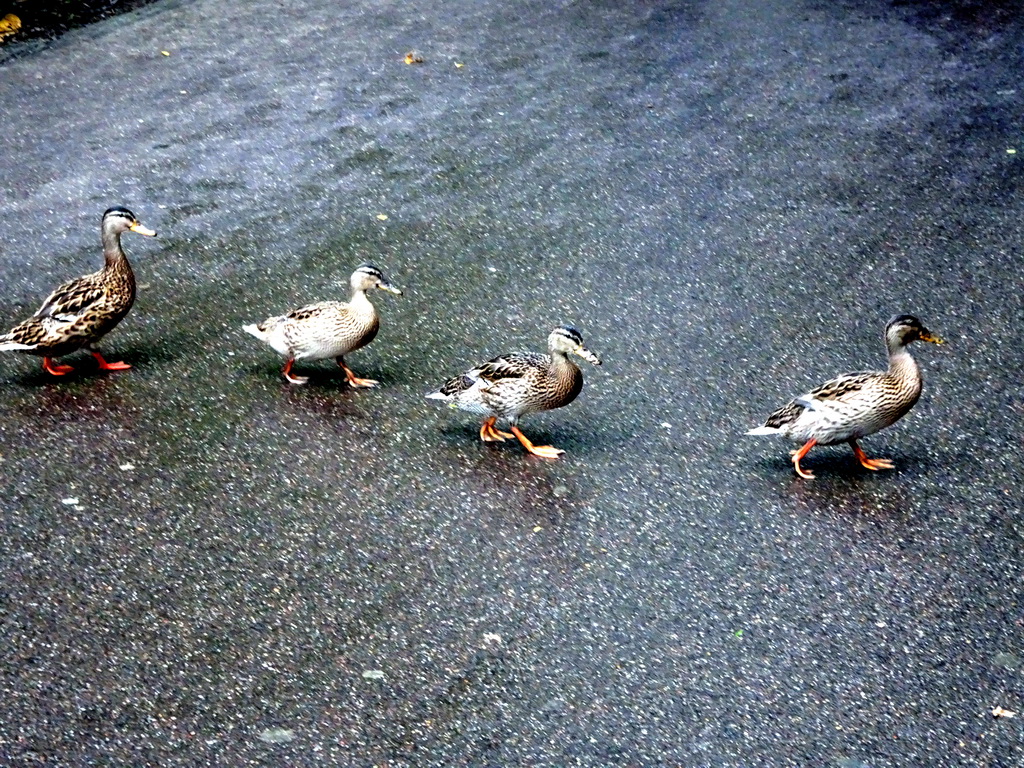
(105, 366)
(489, 434)
(56, 369)
(355, 381)
(287, 373)
(545, 451)
(797, 455)
(873, 464)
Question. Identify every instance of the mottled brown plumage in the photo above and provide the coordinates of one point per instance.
(81, 311)
(515, 385)
(855, 405)
(327, 329)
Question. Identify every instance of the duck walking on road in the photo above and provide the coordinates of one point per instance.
(855, 405)
(81, 311)
(514, 385)
(327, 329)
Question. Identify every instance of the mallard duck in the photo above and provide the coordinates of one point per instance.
(514, 385)
(328, 328)
(80, 312)
(854, 405)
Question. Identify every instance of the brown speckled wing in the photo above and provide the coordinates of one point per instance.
(72, 298)
(513, 366)
(31, 332)
(308, 312)
(456, 385)
(832, 390)
(840, 387)
(787, 414)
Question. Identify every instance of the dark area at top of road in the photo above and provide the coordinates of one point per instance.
(48, 19)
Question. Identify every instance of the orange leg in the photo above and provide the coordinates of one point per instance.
(799, 455)
(872, 464)
(355, 381)
(55, 368)
(287, 372)
(547, 451)
(491, 435)
(105, 366)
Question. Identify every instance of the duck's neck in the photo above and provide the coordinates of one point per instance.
(113, 253)
(566, 375)
(360, 302)
(903, 366)
(561, 365)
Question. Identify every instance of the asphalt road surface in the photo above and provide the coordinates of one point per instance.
(202, 565)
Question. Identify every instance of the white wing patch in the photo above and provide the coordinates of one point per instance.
(55, 322)
(829, 411)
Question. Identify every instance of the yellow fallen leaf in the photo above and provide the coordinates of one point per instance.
(9, 24)
(382, 216)
(538, 528)
(165, 53)
(413, 57)
(459, 65)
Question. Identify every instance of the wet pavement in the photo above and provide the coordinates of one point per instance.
(204, 566)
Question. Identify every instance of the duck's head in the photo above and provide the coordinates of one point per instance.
(368, 276)
(117, 220)
(904, 329)
(567, 340)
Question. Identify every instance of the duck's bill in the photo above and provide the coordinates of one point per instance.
(390, 288)
(587, 355)
(931, 338)
(141, 230)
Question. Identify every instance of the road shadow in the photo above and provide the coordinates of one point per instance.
(46, 20)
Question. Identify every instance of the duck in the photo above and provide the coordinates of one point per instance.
(328, 328)
(514, 385)
(855, 405)
(82, 311)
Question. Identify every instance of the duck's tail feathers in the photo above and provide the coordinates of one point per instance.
(763, 431)
(256, 331)
(9, 345)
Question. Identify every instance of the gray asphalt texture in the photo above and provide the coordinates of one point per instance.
(728, 199)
